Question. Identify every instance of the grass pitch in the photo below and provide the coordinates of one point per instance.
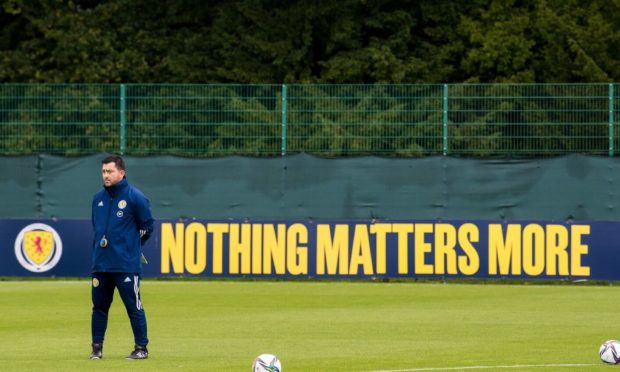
(315, 326)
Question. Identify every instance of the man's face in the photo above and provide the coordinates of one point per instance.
(111, 175)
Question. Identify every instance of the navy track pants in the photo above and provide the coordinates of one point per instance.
(128, 285)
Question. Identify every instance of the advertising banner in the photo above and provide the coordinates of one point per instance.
(330, 249)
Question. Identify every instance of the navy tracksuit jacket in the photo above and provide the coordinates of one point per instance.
(119, 212)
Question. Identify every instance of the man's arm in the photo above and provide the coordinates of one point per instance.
(144, 218)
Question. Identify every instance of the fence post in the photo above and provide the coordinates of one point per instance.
(445, 119)
(122, 119)
(284, 88)
(611, 119)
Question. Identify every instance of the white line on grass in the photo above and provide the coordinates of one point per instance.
(485, 367)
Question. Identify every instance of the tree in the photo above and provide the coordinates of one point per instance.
(115, 41)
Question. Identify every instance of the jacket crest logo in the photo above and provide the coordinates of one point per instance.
(122, 204)
(38, 247)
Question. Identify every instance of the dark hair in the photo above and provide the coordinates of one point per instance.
(116, 159)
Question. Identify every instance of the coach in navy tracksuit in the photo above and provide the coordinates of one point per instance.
(122, 221)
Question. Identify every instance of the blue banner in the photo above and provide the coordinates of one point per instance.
(330, 249)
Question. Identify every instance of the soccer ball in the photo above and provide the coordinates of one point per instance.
(610, 352)
(269, 363)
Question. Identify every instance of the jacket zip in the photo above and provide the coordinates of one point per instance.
(107, 221)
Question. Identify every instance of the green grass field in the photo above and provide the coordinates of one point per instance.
(315, 326)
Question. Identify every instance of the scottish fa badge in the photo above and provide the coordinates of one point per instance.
(38, 247)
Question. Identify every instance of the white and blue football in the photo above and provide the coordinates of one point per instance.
(266, 363)
(610, 352)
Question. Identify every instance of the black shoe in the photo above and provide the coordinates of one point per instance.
(139, 352)
(97, 351)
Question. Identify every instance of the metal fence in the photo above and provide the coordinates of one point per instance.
(479, 120)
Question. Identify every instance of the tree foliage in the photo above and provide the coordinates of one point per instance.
(303, 41)
(234, 54)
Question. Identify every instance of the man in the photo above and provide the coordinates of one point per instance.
(122, 221)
